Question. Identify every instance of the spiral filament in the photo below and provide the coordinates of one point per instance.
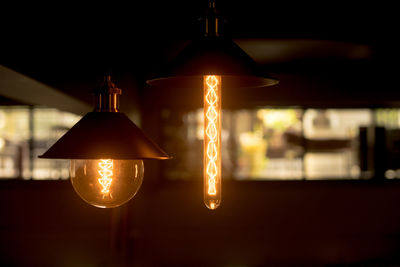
(106, 173)
(212, 136)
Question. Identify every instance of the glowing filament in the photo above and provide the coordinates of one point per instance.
(106, 173)
(212, 133)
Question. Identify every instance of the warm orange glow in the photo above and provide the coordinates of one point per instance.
(212, 141)
(106, 173)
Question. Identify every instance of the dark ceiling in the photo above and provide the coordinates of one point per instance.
(69, 46)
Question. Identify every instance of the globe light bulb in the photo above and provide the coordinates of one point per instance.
(106, 183)
(212, 141)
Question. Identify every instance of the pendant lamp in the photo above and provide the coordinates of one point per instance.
(210, 63)
(106, 150)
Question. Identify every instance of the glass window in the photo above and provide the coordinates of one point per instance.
(263, 149)
(25, 133)
(388, 119)
(14, 141)
(274, 143)
(331, 142)
(253, 144)
(48, 126)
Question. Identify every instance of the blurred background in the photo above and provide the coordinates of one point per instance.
(311, 166)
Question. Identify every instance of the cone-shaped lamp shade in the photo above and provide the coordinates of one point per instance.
(105, 135)
(211, 56)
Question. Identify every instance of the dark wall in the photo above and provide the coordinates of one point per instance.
(44, 223)
(321, 223)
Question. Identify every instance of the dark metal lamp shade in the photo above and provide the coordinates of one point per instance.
(105, 135)
(212, 56)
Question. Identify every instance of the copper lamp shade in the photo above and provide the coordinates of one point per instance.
(105, 133)
(212, 55)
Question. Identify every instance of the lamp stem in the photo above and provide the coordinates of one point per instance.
(211, 20)
(107, 96)
(211, 4)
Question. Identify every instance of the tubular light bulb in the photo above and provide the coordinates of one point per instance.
(212, 141)
(106, 183)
